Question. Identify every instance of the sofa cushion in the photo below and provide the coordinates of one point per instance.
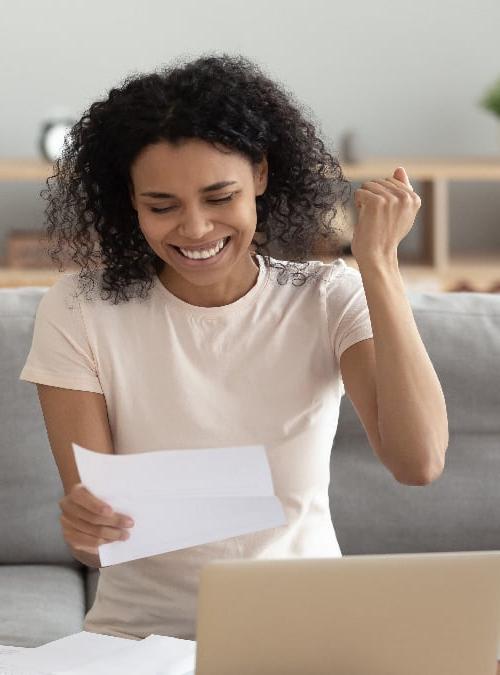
(373, 513)
(461, 333)
(30, 487)
(40, 603)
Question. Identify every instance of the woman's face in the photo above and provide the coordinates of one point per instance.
(181, 201)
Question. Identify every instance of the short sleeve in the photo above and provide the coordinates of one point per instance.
(347, 309)
(60, 353)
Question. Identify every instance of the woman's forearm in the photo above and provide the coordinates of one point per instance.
(413, 422)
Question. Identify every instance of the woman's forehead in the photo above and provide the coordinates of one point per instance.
(193, 161)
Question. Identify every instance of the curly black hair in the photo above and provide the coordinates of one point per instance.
(224, 100)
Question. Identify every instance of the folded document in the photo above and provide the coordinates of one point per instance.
(181, 498)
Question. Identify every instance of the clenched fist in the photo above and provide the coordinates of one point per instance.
(387, 211)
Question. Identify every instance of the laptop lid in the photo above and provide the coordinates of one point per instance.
(405, 614)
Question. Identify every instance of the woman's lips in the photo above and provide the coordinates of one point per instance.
(201, 262)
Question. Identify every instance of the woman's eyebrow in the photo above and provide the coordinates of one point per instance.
(209, 188)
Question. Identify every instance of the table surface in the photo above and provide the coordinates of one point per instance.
(20, 648)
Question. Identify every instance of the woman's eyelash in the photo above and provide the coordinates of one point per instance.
(212, 201)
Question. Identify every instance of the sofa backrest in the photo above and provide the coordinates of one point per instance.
(371, 511)
(29, 481)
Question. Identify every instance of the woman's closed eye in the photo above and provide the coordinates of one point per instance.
(210, 201)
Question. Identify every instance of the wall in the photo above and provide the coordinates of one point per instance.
(404, 76)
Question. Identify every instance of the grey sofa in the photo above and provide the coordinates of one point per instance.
(45, 592)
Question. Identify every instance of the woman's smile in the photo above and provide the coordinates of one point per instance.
(201, 262)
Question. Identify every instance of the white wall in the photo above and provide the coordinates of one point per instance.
(405, 76)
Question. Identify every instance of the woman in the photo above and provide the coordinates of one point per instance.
(171, 348)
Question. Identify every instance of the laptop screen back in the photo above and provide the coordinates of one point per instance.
(417, 614)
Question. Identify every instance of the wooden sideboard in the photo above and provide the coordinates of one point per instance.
(434, 268)
(434, 174)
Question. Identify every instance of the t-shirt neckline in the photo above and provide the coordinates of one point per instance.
(223, 310)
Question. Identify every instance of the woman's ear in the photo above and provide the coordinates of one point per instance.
(260, 176)
(132, 196)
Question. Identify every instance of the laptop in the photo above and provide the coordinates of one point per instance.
(403, 614)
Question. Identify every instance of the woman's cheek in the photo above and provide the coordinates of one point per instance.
(153, 227)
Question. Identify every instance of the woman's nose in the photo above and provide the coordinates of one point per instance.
(193, 223)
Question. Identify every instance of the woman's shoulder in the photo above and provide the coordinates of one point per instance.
(68, 290)
(310, 270)
(332, 269)
(61, 290)
(338, 272)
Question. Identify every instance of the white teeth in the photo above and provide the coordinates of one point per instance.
(195, 255)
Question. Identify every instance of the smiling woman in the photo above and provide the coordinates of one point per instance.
(190, 336)
(137, 176)
(217, 223)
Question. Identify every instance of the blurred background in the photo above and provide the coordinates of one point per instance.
(388, 83)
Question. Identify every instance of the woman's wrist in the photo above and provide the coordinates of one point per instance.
(89, 559)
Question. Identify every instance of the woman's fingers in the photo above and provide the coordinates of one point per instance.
(88, 522)
(84, 497)
(395, 187)
(95, 510)
(382, 187)
(399, 183)
(97, 531)
(74, 509)
(388, 189)
(81, 541)
(364, 196)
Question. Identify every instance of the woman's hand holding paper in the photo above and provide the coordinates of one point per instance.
(87, 522)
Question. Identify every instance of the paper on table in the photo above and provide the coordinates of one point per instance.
(6, 667)
(88, 653)
(182, 498)
(65, 653)
(155, 655)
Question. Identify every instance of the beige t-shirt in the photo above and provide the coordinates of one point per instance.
(261, 370)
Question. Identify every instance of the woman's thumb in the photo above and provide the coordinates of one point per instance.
(400, 174)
